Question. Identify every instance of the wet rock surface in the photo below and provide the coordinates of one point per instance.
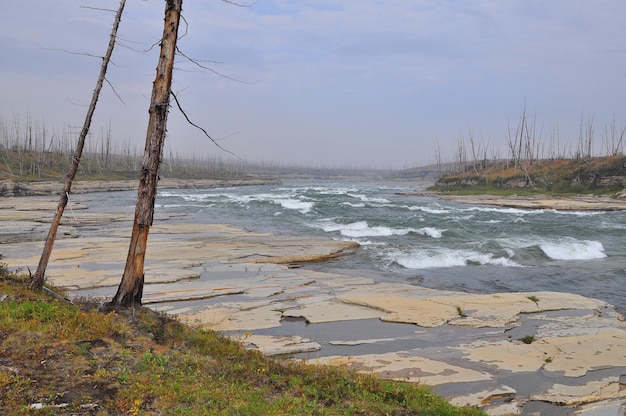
(509, 353)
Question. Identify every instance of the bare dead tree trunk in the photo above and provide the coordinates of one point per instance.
(39, 276)
(130, 290)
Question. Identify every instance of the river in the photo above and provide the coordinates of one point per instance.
(425, 240)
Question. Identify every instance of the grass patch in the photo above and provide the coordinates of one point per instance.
(528, 339)
(533, 298)
(140, 362)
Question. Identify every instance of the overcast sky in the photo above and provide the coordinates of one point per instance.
(366, 83)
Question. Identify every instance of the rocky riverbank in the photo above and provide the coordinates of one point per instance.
(509, 353)
(9, 188)
(570, 203)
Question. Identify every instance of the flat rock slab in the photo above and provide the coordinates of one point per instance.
(405, 366)
(494, 310)
(278, 345)
(502, 352)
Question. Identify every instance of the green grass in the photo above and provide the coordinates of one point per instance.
(137, 362)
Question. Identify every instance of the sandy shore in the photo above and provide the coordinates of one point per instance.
(509, 353)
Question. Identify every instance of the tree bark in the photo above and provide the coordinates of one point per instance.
(38, 278)
(130, 290)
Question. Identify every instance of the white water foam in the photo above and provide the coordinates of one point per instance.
(572, 249)
(430, 231)
(365, 198)
(353, 205)
(428, 210)
(445, 257)
(295, 204)
(577, 213)
(362, 229)
(514, 211)
(564, 248)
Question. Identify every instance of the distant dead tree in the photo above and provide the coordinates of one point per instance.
(130, 290)
(585, 138)
(613, 139)
(38, 278)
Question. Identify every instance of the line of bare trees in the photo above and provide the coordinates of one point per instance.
(32, 149)
(528, 143)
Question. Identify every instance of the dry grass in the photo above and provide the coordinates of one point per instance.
(595, 175)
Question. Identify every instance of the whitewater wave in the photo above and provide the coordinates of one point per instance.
(428, 210)
(353, 205)
(445, 257)
(499, 210)
(430, 231)
(572, 249)
(577, 213)
(365, 198)
(295, 204)
(288, 202)
(360, 229)
(565, 248)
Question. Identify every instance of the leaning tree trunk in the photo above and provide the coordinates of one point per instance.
(130, 290)
(39, 276)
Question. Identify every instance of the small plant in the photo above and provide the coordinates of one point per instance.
(102, 373)
(460, 311)
(533, 298)
(548, 360)
(83, 348)
(528, 339)
(124, 375)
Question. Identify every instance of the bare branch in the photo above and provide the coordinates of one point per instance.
(75, 103)
(198, 64)
(124, 43)
(186, 28)
(98, 8)
(74, 53)
(200, 128)
(114, 91)
(240, 5)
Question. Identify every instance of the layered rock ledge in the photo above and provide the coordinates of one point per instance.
(509, 353)
(10, 188)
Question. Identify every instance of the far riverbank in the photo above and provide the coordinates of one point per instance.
(564, 203)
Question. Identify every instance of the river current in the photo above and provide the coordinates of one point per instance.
(428, 241)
